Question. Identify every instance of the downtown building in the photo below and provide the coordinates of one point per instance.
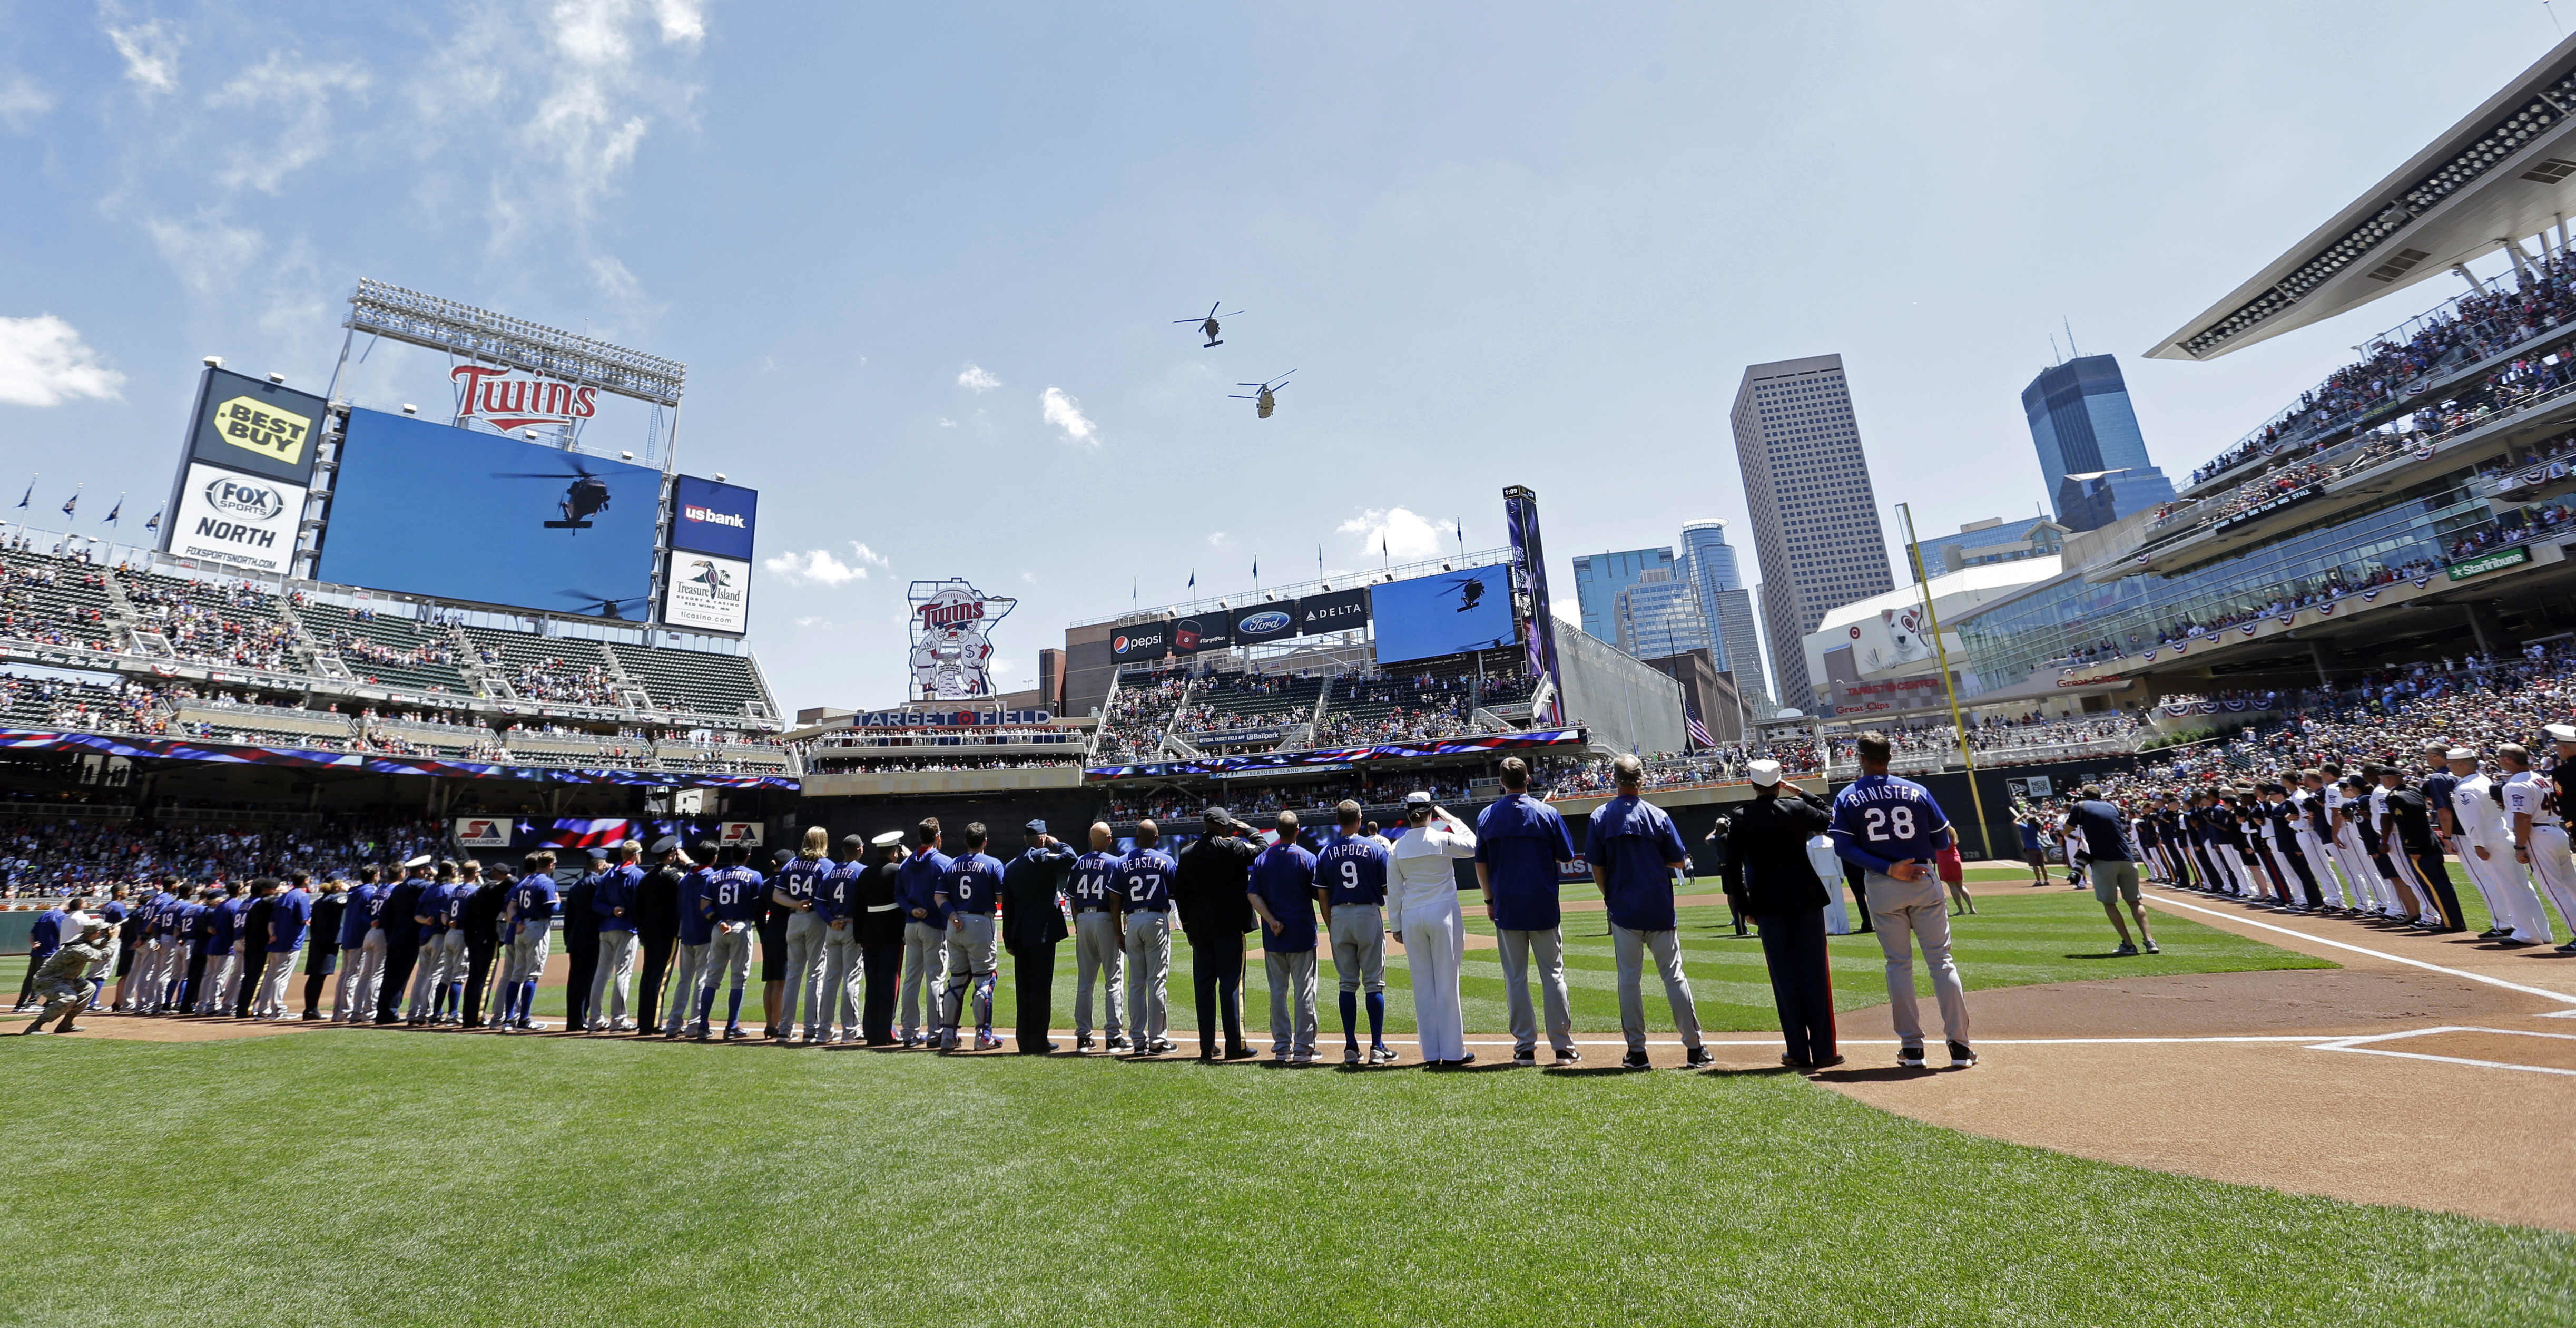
(1816, 532)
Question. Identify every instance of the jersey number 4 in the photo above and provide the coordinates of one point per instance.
(1878, 821)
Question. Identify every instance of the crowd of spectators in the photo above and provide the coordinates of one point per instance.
(24, 615)
(2471, 328)
(557, 680)
(2513, 528)
(41, 856)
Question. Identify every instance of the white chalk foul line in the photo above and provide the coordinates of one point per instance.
(2364, 1046)
(2164, 899)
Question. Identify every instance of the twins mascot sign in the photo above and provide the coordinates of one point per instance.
(952, 651)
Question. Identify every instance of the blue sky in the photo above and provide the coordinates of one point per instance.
(922, 261)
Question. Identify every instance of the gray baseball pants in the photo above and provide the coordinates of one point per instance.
(804, 975)
(925, 958)
(1632, 947)
(1149, 969)
(1516, 947)
(1292, 978)
(1099, 956)
(614, 977)
(1910, 913)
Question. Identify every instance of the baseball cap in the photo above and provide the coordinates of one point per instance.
(2461, 754)
(1764, 773)
(1035, 826)
(887, 840)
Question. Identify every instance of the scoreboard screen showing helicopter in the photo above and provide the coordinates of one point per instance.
(428, 509)
(1445, 614)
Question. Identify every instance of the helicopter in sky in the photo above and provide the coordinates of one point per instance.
(1266, 398)
(588, 493)
(1208, 325)
(600, 605)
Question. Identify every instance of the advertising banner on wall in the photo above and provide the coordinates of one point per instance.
(251, 425)
(708, 517)
(1202, 631)
(239, 520)
(1537, 619)
(1140, 641)
(1337, 611)
(1274, 621)
(482, 831)
(707, 594)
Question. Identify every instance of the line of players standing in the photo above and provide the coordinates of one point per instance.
(2373, 842)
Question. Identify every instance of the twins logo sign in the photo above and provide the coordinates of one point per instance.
(952, 651)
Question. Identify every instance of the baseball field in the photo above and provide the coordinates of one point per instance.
(382, 1176)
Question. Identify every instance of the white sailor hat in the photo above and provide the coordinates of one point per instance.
(421, 861)
(2461, 754)
(888, 840)
(1418, 798)
(2560, 732)
(1764, 773)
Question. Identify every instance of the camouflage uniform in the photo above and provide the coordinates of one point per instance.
(63, 983)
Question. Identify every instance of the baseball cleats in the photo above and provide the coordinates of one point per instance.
(1382, 1055)
(2153, 948)
(1909, 1058)
(1082, 1043)
(1303, 1058)
(1699, 1059)
(1636, 1060)
(735, 1034)
(1569, 1056)
(2126, 949)
(1351, 1055)
(985, 1041)
(1524, 1055)
(1117, 1043)
(1960, 1057)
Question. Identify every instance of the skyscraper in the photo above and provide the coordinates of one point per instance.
(2081, 423)
(1815, 517)
(1658, 615)
(1598, 579)
(1725, 605)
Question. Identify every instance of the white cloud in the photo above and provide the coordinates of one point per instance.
(866, 556)
(207, 254)
(947, 423)
(1029, 577)
(1066, 413)
(1404, 534)
(978, 379)
(810, 621)
(683, 22)
(44, 362)
(1217, 540)
(815, 566)
(22, 103)
(303, 89)
(151, 52)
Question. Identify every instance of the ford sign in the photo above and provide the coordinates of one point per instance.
(1263, 624)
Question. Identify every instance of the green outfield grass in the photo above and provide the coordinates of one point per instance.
(2014, 940)
(384, 1178)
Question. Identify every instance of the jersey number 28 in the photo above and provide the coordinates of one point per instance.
(1879, 820)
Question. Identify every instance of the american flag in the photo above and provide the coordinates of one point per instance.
(1690, 721)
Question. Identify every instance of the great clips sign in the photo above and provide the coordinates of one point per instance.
(708, 517)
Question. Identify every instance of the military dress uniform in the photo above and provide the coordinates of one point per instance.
(1033, 891)
(1766, 862)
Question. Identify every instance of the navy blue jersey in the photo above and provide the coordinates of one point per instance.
(535, 899)
(836, 891)
(1145, 879)
(736, 894)
(1352, 870)
(917, 884)
(1880, 820)
(696, 928)
(799, 878)
(973, 883)
(613, 897)
(1095, 883)
(358, 914)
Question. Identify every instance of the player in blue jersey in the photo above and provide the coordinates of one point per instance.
(1890, 828)
(735, 897)
(925, 933)
(1351, 871)
(1144, 884)
(1521, 847)
(793, 890)
(612, 902)
(697, 933)
(836, 907)
(1284, 897)
(357, 918)
(969, 892)
(1099, 940)
(527, 926)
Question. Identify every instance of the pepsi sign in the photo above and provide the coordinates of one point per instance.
(708, 517)
(1142, 641)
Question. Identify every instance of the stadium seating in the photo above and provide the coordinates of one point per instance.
(388, 650)
(562, 669)
(55, 601)
(210, 622)
(727, 686)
